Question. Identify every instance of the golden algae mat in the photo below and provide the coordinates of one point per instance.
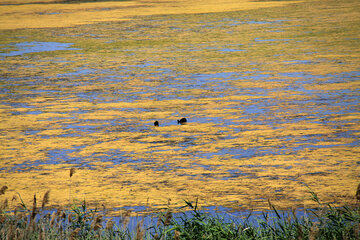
(64, 13)
(271, 95)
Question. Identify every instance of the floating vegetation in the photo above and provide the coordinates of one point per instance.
(271, 99)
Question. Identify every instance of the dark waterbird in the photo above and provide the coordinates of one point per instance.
(182, 121)
(156, 123)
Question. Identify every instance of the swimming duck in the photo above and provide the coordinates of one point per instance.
(182, 121)
(156, 123)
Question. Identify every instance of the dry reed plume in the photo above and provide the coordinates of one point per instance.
(96, 224)
(74, 234)
(72, 171)
(3, 189)
(34, 210)
(139, 230)
(125, 218)
(45, 199)
(110, 224)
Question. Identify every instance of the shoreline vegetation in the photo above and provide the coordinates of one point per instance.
(79, 222)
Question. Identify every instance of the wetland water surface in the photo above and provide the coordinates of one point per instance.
(268, 109)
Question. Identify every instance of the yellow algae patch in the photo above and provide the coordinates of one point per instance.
(24, 122)
(260, 125)
(120, 145)
(347, 117)
(156, 115)
(335, 86)
(65, 15)
(27, 1)
(260, 84)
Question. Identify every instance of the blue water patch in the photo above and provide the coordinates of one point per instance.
(32, 47)
(76, 72)
(49, 13)
(271, 40)
(234, 173)
(34, 112)
(60, 156)
(298, 62)
(342, 77)
(56, 156)
(236, 22)
(302, 75)
(31, 132)
(230, 50)
(117, 157)
(277, 31)
(265, 22)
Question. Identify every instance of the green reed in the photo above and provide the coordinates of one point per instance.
(78, 222)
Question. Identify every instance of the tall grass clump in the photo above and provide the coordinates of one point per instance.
(76, 223)
(323, 222)
(199, 225)
(79, 222)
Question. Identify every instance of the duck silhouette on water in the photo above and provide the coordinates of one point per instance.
(156, 123)
(182, 121)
